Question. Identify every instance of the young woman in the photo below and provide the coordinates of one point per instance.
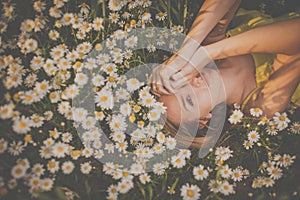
(194, 95)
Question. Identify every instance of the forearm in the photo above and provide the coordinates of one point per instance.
(281, 37)
(211, 12)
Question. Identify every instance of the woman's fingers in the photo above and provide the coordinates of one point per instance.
(183, 80)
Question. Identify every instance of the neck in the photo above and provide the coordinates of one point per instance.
(238, 76)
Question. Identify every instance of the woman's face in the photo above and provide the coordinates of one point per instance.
(191, 103)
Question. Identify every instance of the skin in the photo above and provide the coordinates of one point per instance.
(236, 68)
(235, 78)
(209, 26)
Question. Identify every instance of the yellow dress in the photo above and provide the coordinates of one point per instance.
(263, 61)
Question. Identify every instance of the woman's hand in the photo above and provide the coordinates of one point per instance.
(161, 78)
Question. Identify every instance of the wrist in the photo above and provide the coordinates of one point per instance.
(211, 51)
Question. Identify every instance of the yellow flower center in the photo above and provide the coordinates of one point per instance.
(190, 193)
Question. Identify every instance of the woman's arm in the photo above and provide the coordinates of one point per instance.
(280, 38)
(205, 24)
(209, 15)
(276, 93)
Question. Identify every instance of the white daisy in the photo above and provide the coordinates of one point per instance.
(274, 172)
(268, 182)
(122, 146)
(161, 16)
(257, 182)
(136, 169)
(22, 125)
(53, 166)
(125, 109)
(38, 169)
(34, 181)
(67, 19)
(110, 148)
(253, 136)
(36, 63)
(98, 24)
(98, 154)
(81, 79)
(87, 152)
(123, 186)
(288, 160)
(99, 115)
(226, 188)
(30, 45)
(256, 112)
(118, 136)
(57, 52)
(235, 117)
(59, 150)
(117, 58)
(146, 17)
(159, 148)
(98, 80)
(122, 94)
(295, 128)
(281, 120)
(144, 178)
(45, 152)
(53, 35)
(114, 17)
(170, 143)
(178, 161)
(6, 111)
(214, 186)
(108, 168)
(272, 130)
(48, 142)
(37, 121)
(89, 123)
(147, 101)
(85, 168)
(112, 191)
(54, 97)
(80, 114)
(151, 48)
(131, 42)
(47, 184)
(248, 144)
(158, 168)
(55, 12)
(190, 192)
(67, 167)
(104, 98)
(102, 58)
(18, 171)
(225, 172)
(153, 115)
(118, 123)
(223, 153)
(200, 173)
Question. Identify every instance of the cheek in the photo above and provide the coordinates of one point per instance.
(173, 109)
(204, 103)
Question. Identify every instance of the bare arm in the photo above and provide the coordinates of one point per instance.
(205, 24)
(279, 38)
(210, 14)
